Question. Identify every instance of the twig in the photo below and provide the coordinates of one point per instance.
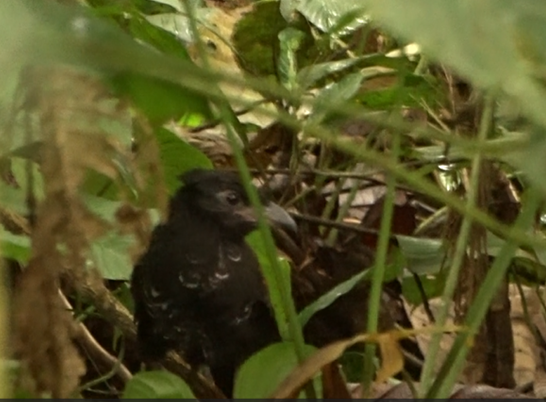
(90, 344)
(338, 225)
(424, 298)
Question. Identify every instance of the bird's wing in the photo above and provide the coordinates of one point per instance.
(167, 286)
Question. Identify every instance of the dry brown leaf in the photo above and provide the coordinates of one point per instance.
(525, 346)
(326, 355)
(527, 352)
(392, 359)
(419, 319)
(333, 383)
(313, 364)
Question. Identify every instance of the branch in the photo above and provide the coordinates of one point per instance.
(90, 344)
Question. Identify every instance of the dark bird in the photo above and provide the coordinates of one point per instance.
(199, 289)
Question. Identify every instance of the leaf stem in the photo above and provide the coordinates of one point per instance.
(378, 273)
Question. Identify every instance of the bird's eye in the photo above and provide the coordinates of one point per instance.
(232, 198)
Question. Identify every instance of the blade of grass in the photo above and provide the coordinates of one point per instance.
(427, 376)
(332, 295)
(455, 360)
(378, 273)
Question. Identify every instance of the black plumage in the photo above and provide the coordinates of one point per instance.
(198, 289)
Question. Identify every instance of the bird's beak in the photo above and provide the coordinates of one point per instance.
(280, 218)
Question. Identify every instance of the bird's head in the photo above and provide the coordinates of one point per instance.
(221, 197)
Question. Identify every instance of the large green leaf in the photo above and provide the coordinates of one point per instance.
(161, 100)
(48, 33)
(110, 254)
(410, 90)
(263, 372)
(334, 95)
(309, 75)
(177, 156)
(343, 15)
(423, 256)
(157, 385)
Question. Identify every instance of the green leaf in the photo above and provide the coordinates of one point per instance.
(134, 20)
(157, 385)
(19, 170)
(287, 9)
(255, 241)
(13, 198)
(309, 75)
(411, 90)
(100, 185)
(290, 40)
(256, 39)
(177, 24)
(529, 271)
(176, 4)
(263, 372)
(106, 209)
(328, 298)
(334, 95)
(129, 7)
(326, 14)
(123, 294)
(110, 253)
(177, 156)
(432, 285)
(392, 271)
(423, 256)
(160, 99)
(14, 246)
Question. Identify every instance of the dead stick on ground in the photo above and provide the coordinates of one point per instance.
(90, 344)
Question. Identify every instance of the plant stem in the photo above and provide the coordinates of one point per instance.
(379, 272)
(427, 375)
(441, 388)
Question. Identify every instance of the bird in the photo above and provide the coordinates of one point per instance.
(198, 289)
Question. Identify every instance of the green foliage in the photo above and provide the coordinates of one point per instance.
(177, 156)
(159, 99)
(157, 385)
(256, 40)
(335, 17)
(411, 90)
(256, 241)
(302, 45)
(16, 247)
(263, 372)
